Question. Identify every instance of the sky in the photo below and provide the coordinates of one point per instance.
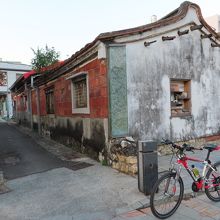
(67, 25)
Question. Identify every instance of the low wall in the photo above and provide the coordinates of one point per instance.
(85, 135)
(122, 155)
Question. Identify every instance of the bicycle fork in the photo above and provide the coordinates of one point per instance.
(173, 188)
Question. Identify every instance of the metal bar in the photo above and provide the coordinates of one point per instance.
(203, 36)
(168, 38)
(196, 27)
(146, 44)
(180, 33)
(215, 45)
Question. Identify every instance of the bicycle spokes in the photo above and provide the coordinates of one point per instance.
(212, 186)
(167, 195)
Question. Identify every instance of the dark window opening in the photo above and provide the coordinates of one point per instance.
(180, 97)
(49, 100)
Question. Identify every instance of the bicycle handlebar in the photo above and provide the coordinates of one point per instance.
(185, 146)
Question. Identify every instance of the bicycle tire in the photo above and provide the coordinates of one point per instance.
(216, 188)
(168, 176)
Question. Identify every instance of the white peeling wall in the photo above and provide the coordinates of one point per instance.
(149, 70)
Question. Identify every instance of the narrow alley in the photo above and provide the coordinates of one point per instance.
(41, 186)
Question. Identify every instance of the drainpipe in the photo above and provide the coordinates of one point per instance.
(30, 107)
(7, 104)
(7, 99)
(38, 110)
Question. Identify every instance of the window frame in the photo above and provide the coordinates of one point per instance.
(186, 101)
(48, 91)
(84, 110)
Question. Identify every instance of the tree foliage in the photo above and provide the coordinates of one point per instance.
(44, 57)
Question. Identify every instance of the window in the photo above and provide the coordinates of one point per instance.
(49, 100)
(80, 93)
(180, 98)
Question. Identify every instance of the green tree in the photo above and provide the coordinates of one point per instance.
(44, 57)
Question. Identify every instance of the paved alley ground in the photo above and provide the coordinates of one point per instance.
(64, 185)
(45, 187)
(21, 156)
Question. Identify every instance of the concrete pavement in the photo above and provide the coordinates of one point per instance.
(199, 208)
(20, 155)
(94, 193)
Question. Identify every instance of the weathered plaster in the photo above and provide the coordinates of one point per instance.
(101, 51)
(149, 70)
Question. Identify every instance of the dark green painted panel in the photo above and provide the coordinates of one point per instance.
(118, 91)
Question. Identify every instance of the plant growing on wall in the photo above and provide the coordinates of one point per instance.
(44, 57)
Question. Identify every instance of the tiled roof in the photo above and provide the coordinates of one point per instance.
(170, 18)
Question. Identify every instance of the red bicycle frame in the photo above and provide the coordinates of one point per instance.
(207, 163)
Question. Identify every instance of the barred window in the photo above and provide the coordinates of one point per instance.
(80, 92)
(80, 97)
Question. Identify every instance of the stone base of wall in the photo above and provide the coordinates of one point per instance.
(126, 164)
(122, 155)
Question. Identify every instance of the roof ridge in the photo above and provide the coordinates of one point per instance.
(172, 17)
(177, 12)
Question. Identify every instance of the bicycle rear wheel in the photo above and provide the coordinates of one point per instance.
(212, 187)
(166, 195)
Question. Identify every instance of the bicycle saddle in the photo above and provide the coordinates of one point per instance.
(211, 147)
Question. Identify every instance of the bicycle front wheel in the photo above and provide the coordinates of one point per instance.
(212, 186)
(166, 195)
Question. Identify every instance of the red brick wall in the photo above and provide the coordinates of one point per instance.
(18, 103)
(62, 96)
(21, 103)
(98, 90)
(42, 101)
(98, 93)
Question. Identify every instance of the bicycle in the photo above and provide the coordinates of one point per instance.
(169, 188)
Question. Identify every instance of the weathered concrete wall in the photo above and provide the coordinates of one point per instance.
(84, 134)
(23, 118)
(149, 70)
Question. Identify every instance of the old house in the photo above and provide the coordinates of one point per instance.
(157, 80)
